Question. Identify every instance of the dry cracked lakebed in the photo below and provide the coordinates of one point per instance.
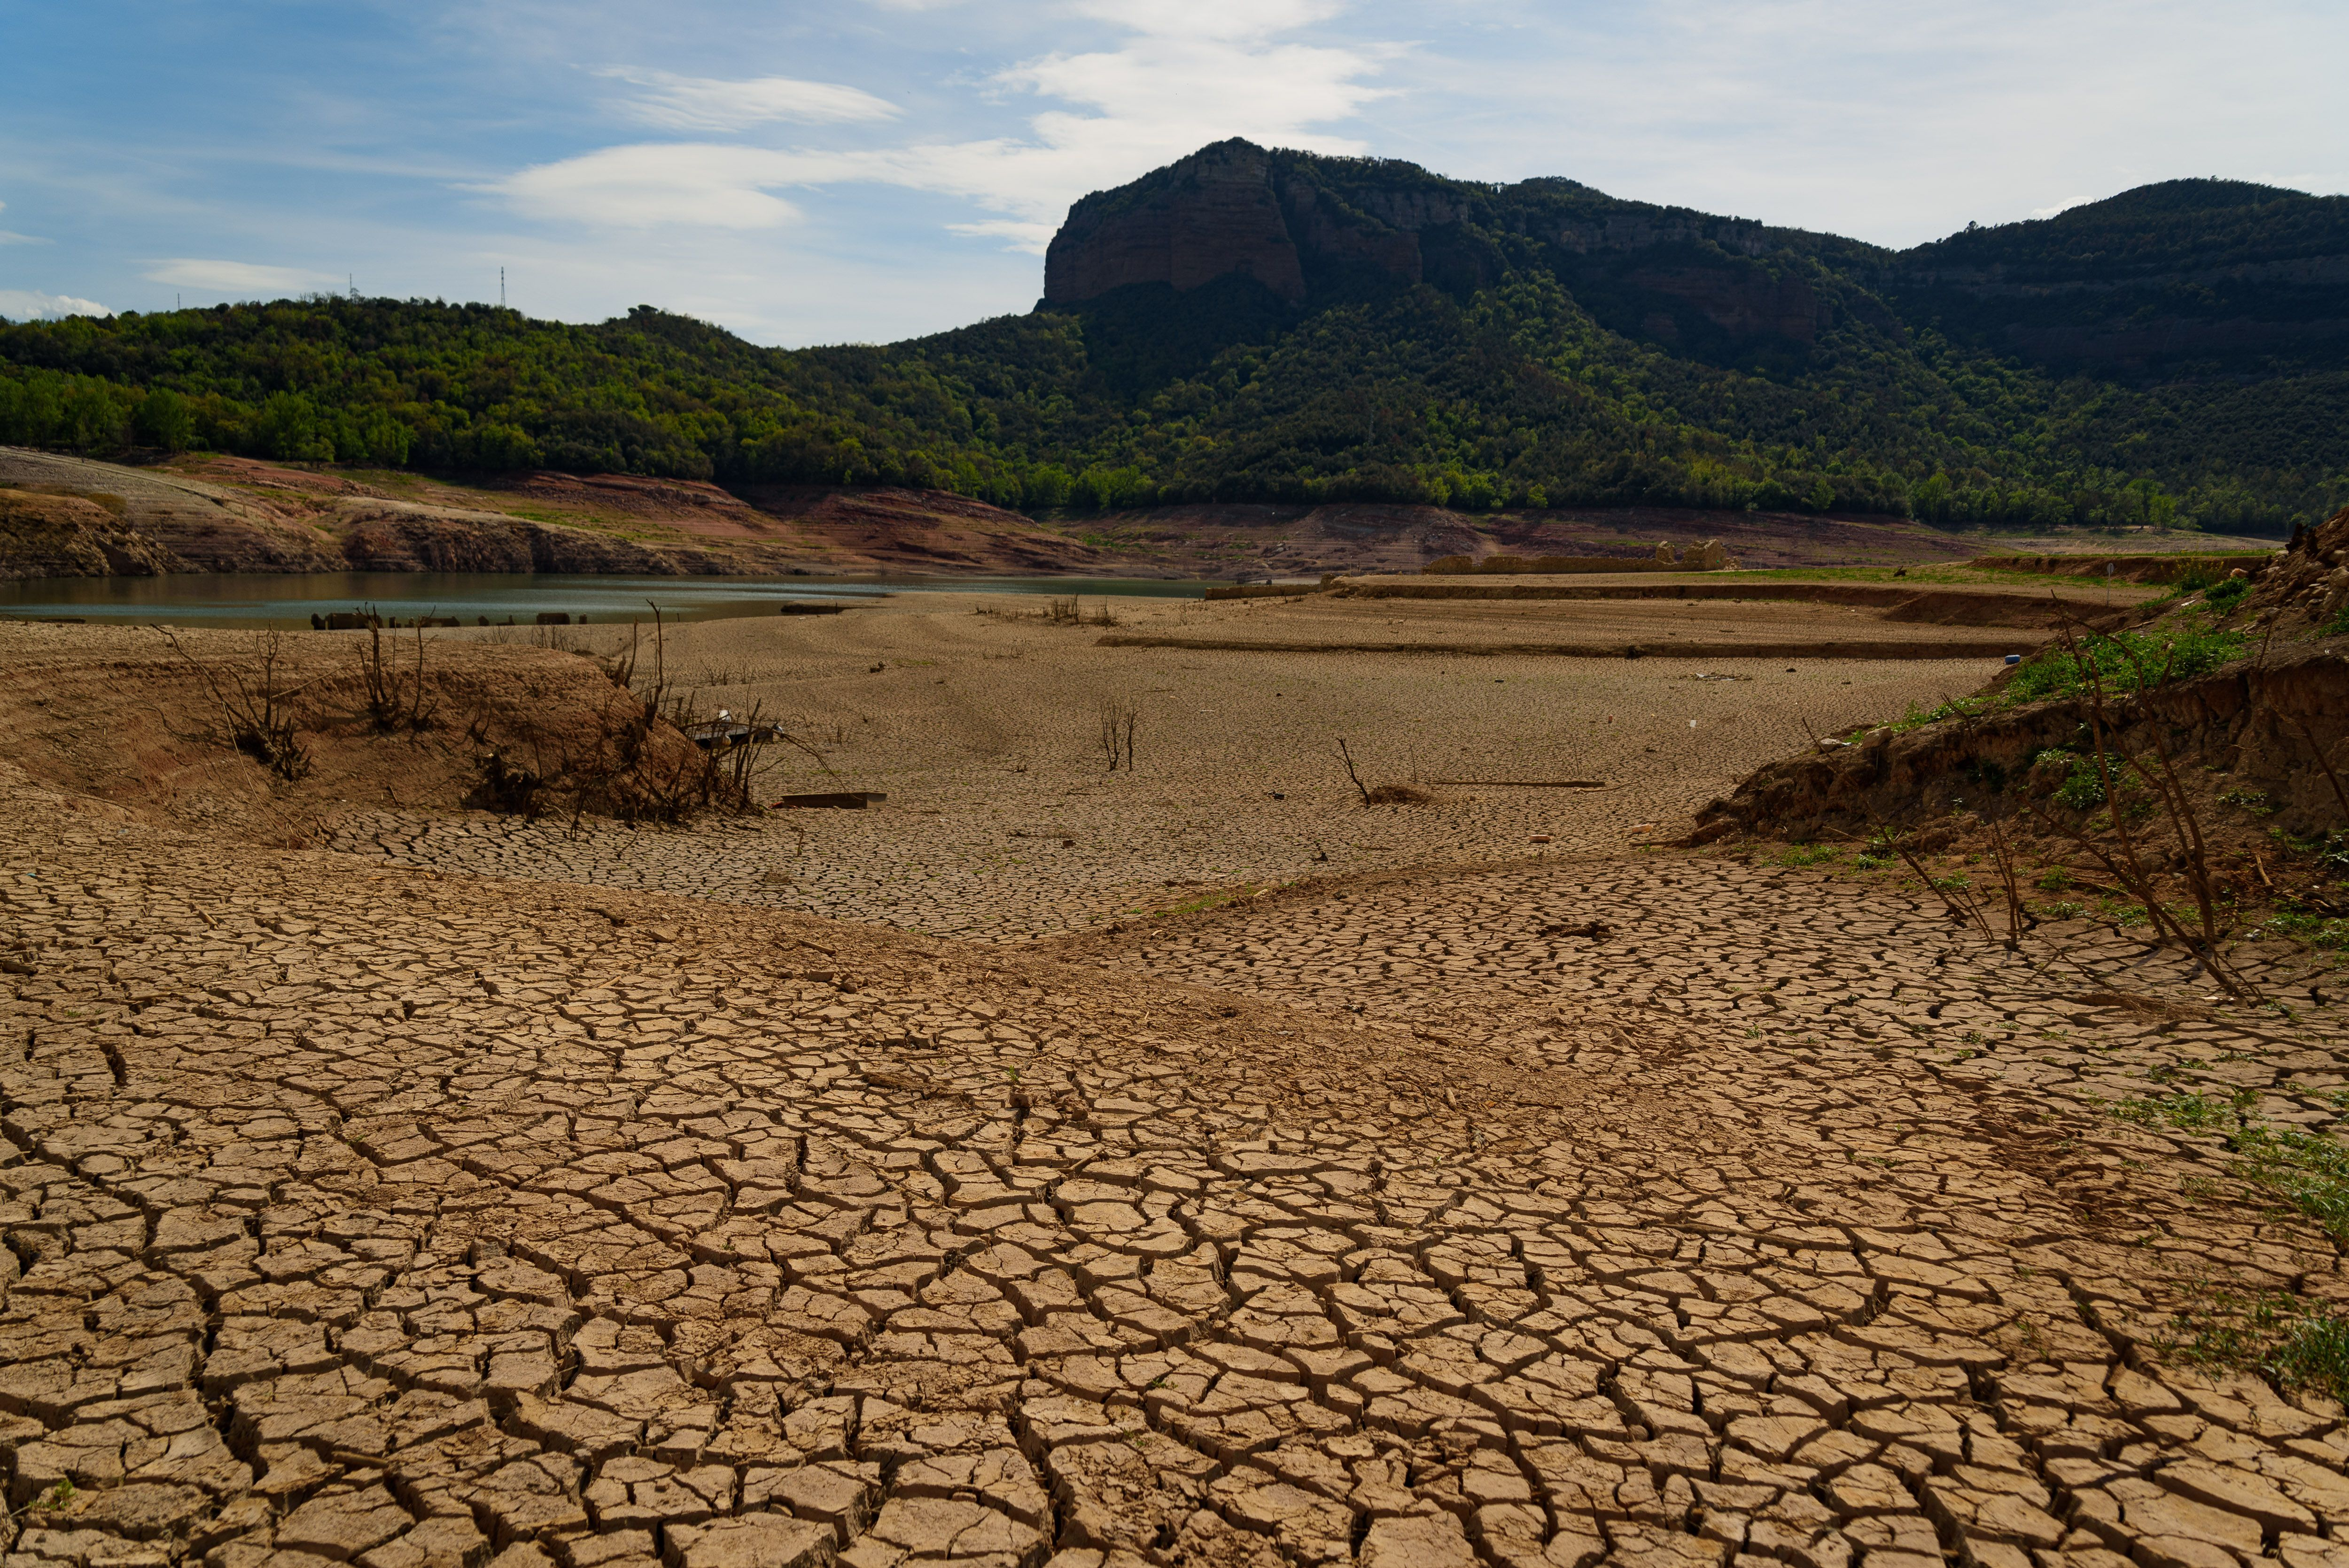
(1667, 1212)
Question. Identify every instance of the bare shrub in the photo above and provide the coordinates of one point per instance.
(1118, 717)
(655, 758)
(2121, 772)
(391, 699)
(255, 707)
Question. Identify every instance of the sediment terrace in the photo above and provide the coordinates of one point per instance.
(430, 1194)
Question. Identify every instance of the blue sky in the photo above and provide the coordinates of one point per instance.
(870, 169)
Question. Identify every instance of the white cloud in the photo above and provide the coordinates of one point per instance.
(705, 104)
(1035, 238)
(10, 237)
(1191, 72)
(31, 304)
(2059, 207)
(658, 185)
(245, 278)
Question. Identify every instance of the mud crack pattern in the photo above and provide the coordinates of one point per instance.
(361, 1215)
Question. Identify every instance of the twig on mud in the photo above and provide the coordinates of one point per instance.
(2009, 879)
(1348, 757)
(1965, 913)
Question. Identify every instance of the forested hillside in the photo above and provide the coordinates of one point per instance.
(2177, 353)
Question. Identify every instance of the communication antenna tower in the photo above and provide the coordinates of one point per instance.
(502, 288)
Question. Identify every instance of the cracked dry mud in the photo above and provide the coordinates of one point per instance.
(367, 1213)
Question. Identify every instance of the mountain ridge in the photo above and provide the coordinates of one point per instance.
(1270, 326)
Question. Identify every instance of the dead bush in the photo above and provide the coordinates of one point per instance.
(255, 707)
(391, 699)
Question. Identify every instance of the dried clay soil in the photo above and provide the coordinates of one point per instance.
(1180, 1165)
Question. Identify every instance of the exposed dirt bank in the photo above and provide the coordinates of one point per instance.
(215, 513)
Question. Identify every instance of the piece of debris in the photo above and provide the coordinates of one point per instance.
(1597, 930)
(840, 799)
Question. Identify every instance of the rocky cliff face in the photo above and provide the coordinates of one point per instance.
(1295, 223)
(2189, 271)
(1227, 209)
(43, 535)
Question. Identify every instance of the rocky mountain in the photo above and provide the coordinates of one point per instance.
(1257, 328)
(2193, 270)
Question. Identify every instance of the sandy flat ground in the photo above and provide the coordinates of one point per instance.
(1003, 819)
(459, 1192)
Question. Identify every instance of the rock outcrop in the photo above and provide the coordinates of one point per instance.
(1232, 208)
(73, 536)
(400, 536)
(1297, 224)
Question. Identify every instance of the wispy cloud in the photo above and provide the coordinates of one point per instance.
(1186, 75)
(236, 277)
(655, 185)
(706, 103)
(31, 304)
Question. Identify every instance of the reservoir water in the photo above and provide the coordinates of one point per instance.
(261, 599)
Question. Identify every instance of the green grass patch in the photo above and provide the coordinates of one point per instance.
(2328, 933)
(2184, 1113)
(1807, 855)
(2308, 1169)
(2126, 661)
(2289, 1339)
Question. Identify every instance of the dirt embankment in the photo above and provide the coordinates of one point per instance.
(46, 535)
(2264, 734)
(2246, 723)
(141, 721)
(2127, 568)
(213, 513)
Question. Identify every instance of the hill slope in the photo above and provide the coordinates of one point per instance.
(1269, 326)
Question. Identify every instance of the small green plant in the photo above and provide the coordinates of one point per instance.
(2056, 879)
(2315, 1353)
(2308, 1169)
(2063, 909)
(2128, 661)
(1867, 862)
(2082, 788)
(2184, 1113)
(2223, 596)
(57, 1497)
(1956, 708)
(1808, 855)
(2327, 933)
(2255, 801)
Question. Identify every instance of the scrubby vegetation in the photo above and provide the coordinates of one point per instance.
(1523, 372)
